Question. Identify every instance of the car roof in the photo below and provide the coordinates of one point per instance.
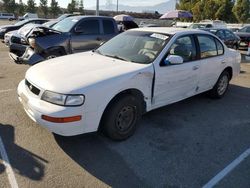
(171, 30)
(31, 19)
(89, 16)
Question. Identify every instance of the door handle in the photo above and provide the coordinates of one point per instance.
(196, 67)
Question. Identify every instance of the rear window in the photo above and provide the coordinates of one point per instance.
(108, 27)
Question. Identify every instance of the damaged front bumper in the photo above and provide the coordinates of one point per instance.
(29, 57)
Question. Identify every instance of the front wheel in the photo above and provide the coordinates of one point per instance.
(221, 85)
(121, 118)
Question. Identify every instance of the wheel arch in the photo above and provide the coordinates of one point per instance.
(230, 71)
(60, 49)
(132, 91)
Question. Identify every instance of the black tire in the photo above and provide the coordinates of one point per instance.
(121, 118)
(221, 86)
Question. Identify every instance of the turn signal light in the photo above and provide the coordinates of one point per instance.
(61, 119)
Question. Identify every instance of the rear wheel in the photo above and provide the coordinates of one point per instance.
(221, 85)
(121, 118)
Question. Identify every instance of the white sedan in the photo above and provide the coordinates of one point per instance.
(137, 71)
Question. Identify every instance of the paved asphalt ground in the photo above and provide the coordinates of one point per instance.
(184, 144)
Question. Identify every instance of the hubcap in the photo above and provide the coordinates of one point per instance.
(222, 85)
(126, 118)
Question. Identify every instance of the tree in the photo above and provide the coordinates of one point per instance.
(210, 9)
(54, 8)
(81, 7)
(21, 8)
(9, 5)
(241, 10)
(72, 6)
(197, 10)
(31, 6)
(44, 7)
(225, 11)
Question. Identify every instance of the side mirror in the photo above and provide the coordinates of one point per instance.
(79, 30)
(173, 60)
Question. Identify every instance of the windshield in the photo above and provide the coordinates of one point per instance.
(135, 46)
(21, 22)
(66, 24)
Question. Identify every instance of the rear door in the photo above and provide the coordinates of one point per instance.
(89, 39)
(108, 29)
(176, 82)
(212, 61)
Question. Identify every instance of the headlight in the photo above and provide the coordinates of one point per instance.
(32, 42)
(3, 30)
(63, 100)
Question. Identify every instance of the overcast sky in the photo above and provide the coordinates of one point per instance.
(91, 3)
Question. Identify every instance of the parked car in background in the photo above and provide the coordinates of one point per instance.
(28, 16)
(7, 28)
(16, 40)
(133, 73)
(244, 34)
(227, 36)
(208, 24)
(7, 16)
(71, 35)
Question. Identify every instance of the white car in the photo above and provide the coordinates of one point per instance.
(137, 71)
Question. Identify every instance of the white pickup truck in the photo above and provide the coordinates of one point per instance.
(137, 71)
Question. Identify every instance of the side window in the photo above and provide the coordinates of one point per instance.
(220, 34)
(229, 35)
(220, 47)
(108, 27)
(184, 47)
(207, 46)
(89, 27)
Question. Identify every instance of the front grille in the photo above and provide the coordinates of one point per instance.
(32, 88)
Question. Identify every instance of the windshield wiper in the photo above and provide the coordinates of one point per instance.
(116, 57)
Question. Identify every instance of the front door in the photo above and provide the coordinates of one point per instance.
(177, 82)
(89, 38)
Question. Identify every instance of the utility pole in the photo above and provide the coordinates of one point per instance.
(97, 7)
(117, 6)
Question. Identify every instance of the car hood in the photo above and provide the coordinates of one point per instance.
(72, 73)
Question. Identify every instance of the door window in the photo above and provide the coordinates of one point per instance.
(89, 27)
(208, 46)
(184, 47)
(220, 34)
(108, 27)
